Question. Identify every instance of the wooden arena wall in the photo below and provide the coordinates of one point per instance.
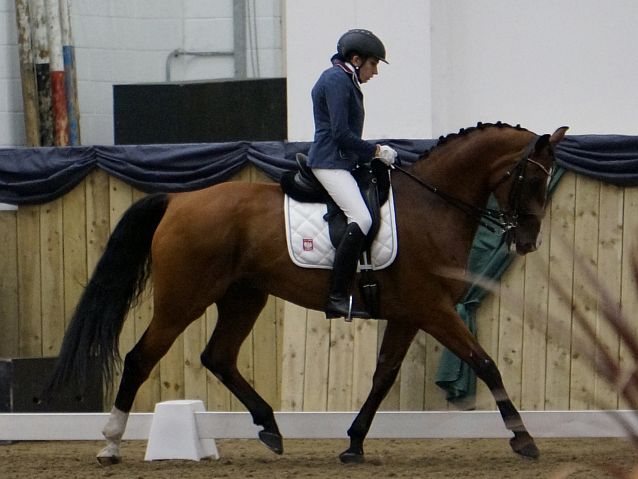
(300, 361)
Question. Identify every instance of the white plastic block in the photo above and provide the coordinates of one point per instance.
(174, 433)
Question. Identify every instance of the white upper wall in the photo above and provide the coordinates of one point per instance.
(541, 63)
(129, 41)
(397, 101)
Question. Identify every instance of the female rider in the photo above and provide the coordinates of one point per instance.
(338, 147)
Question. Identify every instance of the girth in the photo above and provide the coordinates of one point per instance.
(374, 183)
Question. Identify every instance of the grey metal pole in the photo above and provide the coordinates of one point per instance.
(239, 29)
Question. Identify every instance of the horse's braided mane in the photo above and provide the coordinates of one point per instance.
(465, 131)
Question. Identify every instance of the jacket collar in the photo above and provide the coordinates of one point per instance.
(349, 69)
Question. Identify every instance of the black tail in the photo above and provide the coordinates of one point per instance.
(91, 340)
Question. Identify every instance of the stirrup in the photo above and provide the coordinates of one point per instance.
(344, 312)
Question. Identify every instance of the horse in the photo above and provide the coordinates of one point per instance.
(226, 244)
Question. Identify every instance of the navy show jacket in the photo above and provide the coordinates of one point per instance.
(339, 114)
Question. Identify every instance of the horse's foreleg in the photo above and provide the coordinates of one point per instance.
(238, 311)
(522, 442)
(453, 334)
(396, 341)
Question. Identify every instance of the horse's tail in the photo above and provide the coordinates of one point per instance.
(91, 340)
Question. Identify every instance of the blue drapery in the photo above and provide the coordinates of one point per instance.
(39, 175)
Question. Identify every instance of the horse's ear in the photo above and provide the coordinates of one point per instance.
(558, 135)
(542, 142)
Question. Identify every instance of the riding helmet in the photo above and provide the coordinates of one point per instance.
(363, 42)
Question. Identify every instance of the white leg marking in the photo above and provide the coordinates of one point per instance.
(113, 432)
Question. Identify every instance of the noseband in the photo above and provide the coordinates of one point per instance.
(513, 212)
(503, 222)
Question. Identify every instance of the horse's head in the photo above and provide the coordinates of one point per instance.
(523, 191)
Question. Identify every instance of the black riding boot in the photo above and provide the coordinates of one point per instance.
(343, 271)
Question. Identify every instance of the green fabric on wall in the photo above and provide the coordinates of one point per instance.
(489, 258)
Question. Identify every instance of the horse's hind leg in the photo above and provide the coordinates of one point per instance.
(396, 341)
(157, 339)
(237, 312)
(454, 335)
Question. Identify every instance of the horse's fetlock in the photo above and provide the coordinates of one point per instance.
(265, 417)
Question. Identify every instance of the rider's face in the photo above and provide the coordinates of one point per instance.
(367, 68)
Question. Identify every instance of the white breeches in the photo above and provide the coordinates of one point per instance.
(343, 188)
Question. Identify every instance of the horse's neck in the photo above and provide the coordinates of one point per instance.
(465, 167)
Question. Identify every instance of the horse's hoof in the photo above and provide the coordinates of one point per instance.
(525, 447)
(350, 457)
(108, 460)
(272, 441)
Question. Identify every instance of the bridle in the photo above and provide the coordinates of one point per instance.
(494, 220)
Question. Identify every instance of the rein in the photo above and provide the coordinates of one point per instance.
(502, 222)
(482, 215)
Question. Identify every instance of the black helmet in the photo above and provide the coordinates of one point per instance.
(363, 42)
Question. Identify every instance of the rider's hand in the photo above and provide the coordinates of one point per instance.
(386, 154)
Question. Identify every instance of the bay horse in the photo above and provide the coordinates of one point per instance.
(226, 244)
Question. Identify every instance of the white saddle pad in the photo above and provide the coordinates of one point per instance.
(308, 239)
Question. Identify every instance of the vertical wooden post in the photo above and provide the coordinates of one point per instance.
(70, 77)
(27, 74)
(42, 70)
(58, 92)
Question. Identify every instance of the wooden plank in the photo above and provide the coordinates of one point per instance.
(171, 372)
(195, 338)
(51, 250)
(315, 385)
(75, 275)
(245, 367)
(364, 359)
(97, 223)
(258, 175)
(629, 285)
(29, 290)
(487, 333)
(413, 377)
(265, 353)
(150, 392)
(561, 271)
(535, 328)
(218, 394)
(510, 349)
(610, 225)
(293, 359)
(340, 368)
(434, 397)
(9, 312)
(279, 309)
(586, 249)
(97, 216)
(393, 398)
(120, 199)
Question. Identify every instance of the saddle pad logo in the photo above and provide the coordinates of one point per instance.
(308, 244)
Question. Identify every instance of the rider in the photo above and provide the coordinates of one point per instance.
(338, 147)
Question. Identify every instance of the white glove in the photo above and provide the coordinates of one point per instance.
(386, 154)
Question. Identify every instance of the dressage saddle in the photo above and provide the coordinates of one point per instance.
(374, 184)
